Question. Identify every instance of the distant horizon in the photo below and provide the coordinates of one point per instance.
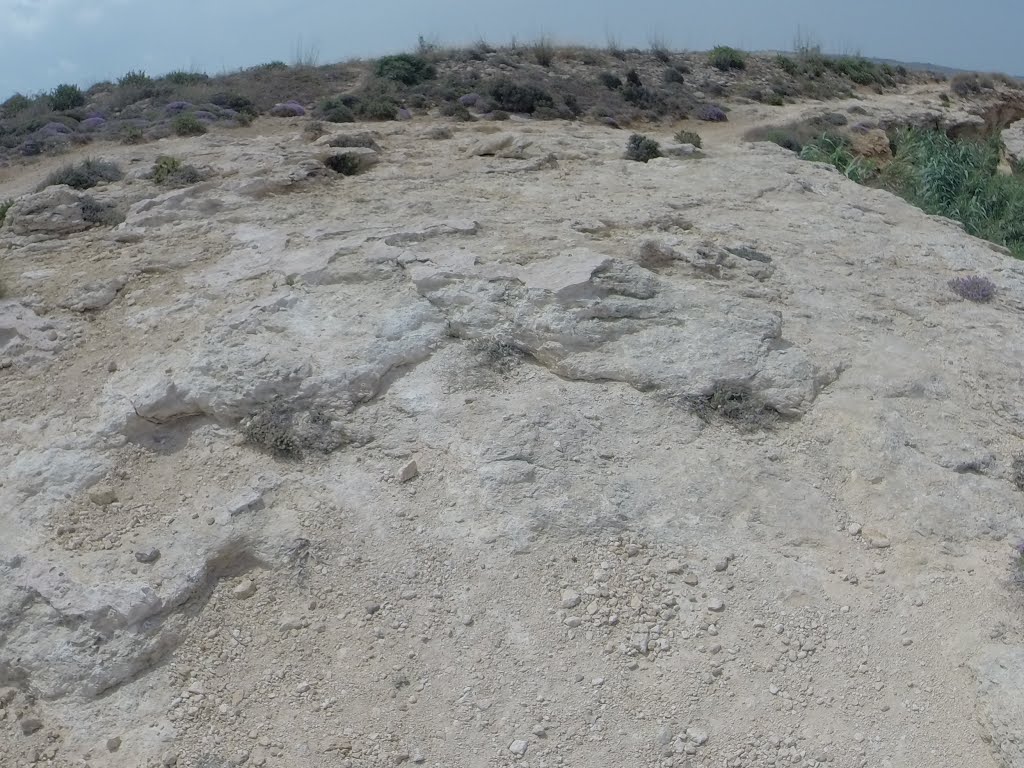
(310, 57)
(44, 43)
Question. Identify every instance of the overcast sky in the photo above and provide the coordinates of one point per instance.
(44, 42)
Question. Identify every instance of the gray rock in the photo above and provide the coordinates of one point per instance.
(999, 671)
(148, 555)
(52, 213)
(408, 472)
(244, 589)
(518, 747)
(30, 725)
(102, 495)
(95, 295)
(570, 599)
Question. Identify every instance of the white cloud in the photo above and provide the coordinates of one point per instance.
(26, 19)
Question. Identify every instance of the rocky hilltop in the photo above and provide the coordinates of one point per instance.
(497, 448)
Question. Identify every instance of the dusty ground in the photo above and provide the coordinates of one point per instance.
(583, 572)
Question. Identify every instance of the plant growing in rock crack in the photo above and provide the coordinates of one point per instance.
(641, 148)
(498, 354)
(973, 288)
(733, 403)
(1017, 565)
(100, 214)
(286, 431)
(5, 206)
(1018, 471)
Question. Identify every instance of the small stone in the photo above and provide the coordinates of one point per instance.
(907, 641)
(570, 599)
(372, 608)
(113, 744)
(111, 367)
(858, 737)
(148, 555)
(697, 735)
(572, 622)
(539, 731)
(721, 565)
(170, 759)
(691, 579)
(854, 529)
(102, 496)
(30, 725)
(7, 696)
(302, 688)
(879, 542)
(408, 472)
(716, 605)
(244, 589)
(518, 747)
(674, 566)
(290, 622)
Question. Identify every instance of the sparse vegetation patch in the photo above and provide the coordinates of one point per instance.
(973, 288)
(734, 403)
(84, 175)
(289, 432)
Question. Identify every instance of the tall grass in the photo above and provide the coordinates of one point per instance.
(958, 179)
(836, 150)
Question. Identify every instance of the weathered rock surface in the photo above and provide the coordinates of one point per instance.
(681, 462)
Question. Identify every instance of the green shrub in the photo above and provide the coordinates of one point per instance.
(171, 171)
(100, 214)
(787, 64)
(519, 97)
(543, 52)
(336, 110)
(180, 77)
(14, 105)
(785, 139)
(641, 148)
(84, 175)
(344, 164)
(378, 108)
(65, 97)
(725, 58)
(837, 151)
(5, 206)
(188, 125)
(405, 68)
(688, 137)
(243, 105)
(673, 75)
(135, 79)
(456, 110)
(132, 135)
